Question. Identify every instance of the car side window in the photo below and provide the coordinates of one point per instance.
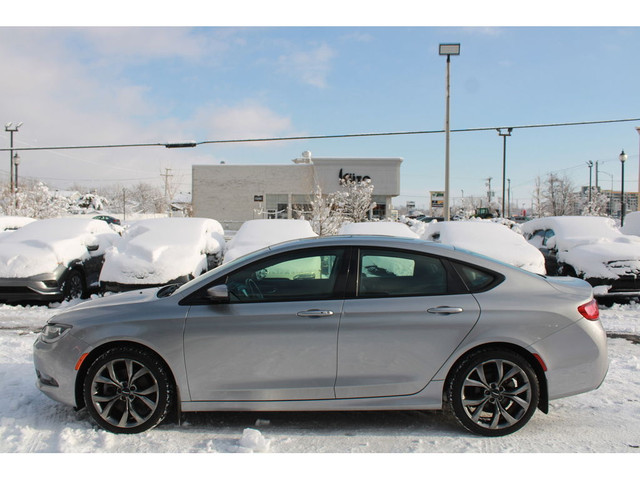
(385, 273)
(547, 235)
(476, 280)
(291, 277)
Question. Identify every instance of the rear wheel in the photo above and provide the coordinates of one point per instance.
(493, 392)
(127, 390)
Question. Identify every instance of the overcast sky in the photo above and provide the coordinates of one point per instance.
(76, 85)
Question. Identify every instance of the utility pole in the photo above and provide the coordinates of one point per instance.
(166, 176)
(489, 191)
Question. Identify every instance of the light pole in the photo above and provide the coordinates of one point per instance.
(447, 49)
(590, 165)
(623, 158)
(504, 159)
(11, 128)
(16, 162)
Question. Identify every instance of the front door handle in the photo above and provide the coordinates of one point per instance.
(445, 310)
(315, 313)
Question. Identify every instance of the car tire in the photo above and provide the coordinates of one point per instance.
(128, 390)
(73, 286)
(493, 392)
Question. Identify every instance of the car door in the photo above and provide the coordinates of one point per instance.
(276, 339)
(406, 317)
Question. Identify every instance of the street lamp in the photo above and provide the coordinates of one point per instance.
(590, 165)
(447, 49)
(504, 159)
(16, 162)
(11, 128)
(623, 158)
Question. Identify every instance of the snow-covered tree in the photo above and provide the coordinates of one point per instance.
(355, 199)
(33, 199)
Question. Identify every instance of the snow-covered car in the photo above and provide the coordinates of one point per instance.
(160, 251)
(54, 259)
(260, 233)
(631, 224)
(393, 229)
(591, 248)
(488, 238)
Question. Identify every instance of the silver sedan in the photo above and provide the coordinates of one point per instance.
(339, 323)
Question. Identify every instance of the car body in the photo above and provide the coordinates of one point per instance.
(256, 234)
(591, 248)
(49, 260)
(159, 251)
(488, 238)
(335, 323)
(394, 229)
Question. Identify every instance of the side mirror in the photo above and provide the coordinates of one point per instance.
(218, 294)
(92, 248)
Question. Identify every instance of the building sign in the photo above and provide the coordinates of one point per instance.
(258, 198)
(352, 177)
(437, 199)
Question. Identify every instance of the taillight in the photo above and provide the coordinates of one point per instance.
(590, 310)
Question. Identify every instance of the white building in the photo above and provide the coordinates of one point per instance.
(233, 194)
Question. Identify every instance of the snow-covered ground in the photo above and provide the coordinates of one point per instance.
(605, 420)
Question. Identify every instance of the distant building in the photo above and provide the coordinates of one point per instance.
(233, 194)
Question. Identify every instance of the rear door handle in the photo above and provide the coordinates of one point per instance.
(315, 313)
(445, 310)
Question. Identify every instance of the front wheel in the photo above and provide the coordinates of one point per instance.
(73, 286)
(494, 392)
(127, 390)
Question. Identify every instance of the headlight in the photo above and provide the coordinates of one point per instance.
(52, 332)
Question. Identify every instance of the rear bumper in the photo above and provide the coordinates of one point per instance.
(576, 358)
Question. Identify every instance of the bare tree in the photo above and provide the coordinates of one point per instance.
(558, 197)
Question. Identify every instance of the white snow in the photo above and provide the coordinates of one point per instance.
(41, 246)
(594, 246)
(256, 234)
(394, 229)
(487, 238)
(13, 222)
(158, 250)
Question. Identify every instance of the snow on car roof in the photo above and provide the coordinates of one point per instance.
(574, 226)
(158, 250)
(378, 228)
(41, 246)
(256, 234)
(488, 238)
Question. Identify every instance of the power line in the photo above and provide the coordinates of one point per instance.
(316, 137)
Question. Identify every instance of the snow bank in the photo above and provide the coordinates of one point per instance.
(256, 234)
(41, 246)
(393, 229)
(488, 238)
(156, 251)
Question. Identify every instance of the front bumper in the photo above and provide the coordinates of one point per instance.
(55, 367)
(45, 288)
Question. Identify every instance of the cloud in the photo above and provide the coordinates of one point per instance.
(312, 66)
(247, 120)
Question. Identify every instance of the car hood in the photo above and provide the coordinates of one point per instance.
(22, 260)
(605, 259)
(127, 298)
